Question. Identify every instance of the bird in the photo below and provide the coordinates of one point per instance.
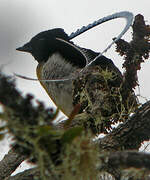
(60, 58)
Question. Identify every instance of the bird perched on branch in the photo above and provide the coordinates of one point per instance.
(95, 89)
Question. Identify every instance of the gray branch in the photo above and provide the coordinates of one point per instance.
(29, 174)
(129, 135)
(9, 163)
(117, 160)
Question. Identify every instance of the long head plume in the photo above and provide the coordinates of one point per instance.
(123, 14)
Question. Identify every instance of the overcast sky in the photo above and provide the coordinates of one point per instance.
(20, 20)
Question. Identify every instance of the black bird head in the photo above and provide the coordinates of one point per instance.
(44, 44)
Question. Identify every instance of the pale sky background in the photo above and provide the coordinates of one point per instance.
(20, 20)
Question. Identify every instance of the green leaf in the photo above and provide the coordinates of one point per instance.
(48, 131)
(71, 134)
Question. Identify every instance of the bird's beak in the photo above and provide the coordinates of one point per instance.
(25, 48)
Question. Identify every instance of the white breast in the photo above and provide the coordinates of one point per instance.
(60, 92)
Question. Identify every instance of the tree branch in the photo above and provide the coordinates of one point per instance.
(116, 162)
(29, 174)
(9, 163)
(131, 133)
(134, 53)
(113, 160)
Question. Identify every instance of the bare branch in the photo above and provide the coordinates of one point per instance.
(116, 162)
(9, 163)
(130, 134)
(110, 162)
(29, 174)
